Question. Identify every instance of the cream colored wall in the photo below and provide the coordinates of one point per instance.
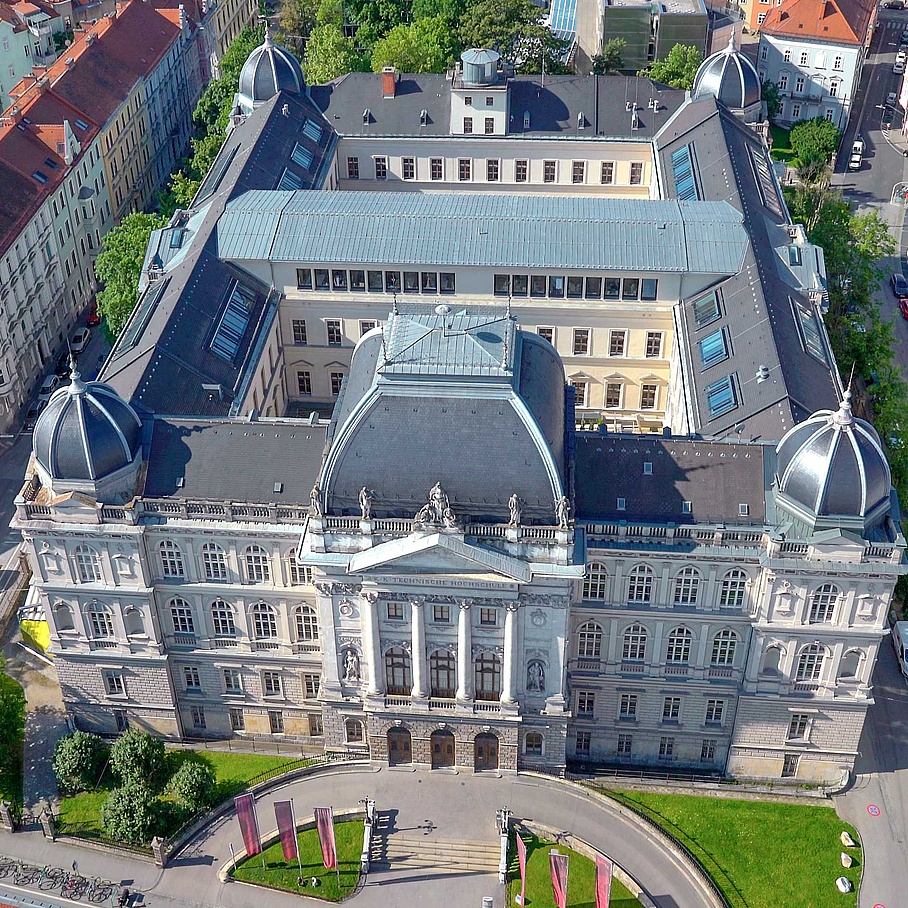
(479, 108)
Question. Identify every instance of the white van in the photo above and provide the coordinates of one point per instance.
(900, 642)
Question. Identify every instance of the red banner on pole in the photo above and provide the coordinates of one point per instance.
(603, 881)
(324, 822)
(249, 824)
(286, 829)
(522, 860)
(559, 865)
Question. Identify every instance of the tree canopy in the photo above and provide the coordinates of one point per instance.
(424, 46)
(610, 60)
(329, 55)
(678, 69)
(815, 140)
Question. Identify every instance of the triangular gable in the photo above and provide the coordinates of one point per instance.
(438, 553)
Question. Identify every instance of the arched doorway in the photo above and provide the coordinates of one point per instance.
(485, 752)
(442, 746)
(399, 747)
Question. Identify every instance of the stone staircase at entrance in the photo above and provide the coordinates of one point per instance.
(399, 852)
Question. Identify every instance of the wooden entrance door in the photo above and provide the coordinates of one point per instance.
(485, 752)
(442, 745)
(399, 747)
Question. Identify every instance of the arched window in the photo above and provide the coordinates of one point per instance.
(306, 623)
(88, 564)
(837, 62)
(640, 584)
(634, 648)
(734, 586)
(353, 729)
(786, 56)
(214, 562)
(181, 616)
(442, 674)
(595, 583)
(851, 664)
(63, 617)
(488, 676)
(258, 567)
(222, 619)
(679, 641)
(100, 622)
(822, 603)
(589, 640)
(397, 671)
(810, 662)
(532, 744)
(724, 645)
(264, 621)
(300, 574)
(171, 559)
(133, 622)
(687, 585)
(772, 659)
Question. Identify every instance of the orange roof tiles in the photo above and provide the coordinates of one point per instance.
(832, 21)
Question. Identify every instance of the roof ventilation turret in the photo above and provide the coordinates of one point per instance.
(480, 66)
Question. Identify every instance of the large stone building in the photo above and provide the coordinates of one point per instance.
(450, 569)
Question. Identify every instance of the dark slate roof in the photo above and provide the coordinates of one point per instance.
(234, 460)
(163, 360)
(759, 310)
(715, 476)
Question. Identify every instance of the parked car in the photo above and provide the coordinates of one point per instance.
(48, 386)
(61, 370)
(904, 39)
(79, 341)
(901, 55)
(903, 308)
(899, 67)
(93, 317)
(899, 285)
(33, 413)
(857, 155)
(891, 98)
(894, 4)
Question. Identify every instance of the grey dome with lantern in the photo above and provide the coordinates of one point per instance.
(269, 69)
(731, 78)
(831, 471)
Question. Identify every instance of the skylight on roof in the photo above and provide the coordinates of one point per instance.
(140, 316)
(313, 131)
(81, 124)
(215, 175)
(713, 349)
(706, 309)
(720, 397)
(50, 162)
(232, 327)
(766, 183)
(302, 156)
(290, 180)
(811, 333)
(683, 170)
(42, 178)
(176, 238)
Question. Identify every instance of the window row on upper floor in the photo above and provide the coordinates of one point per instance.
(821, 58)
(255, 564)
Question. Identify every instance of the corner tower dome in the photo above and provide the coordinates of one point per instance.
(730, 77)
(269, 69)
(831, 470)
(85, 433)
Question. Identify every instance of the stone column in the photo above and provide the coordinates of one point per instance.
(420, 689)
(372, 647)
(464, 652)
(511, 661)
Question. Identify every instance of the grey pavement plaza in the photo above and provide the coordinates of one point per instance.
(440, 806)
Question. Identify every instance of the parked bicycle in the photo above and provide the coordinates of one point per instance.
(51, 878)
(74, 886)
(26, 874)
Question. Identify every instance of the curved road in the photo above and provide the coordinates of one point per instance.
(438, 805)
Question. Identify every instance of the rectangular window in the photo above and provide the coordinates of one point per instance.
(299, 332)
(671, 709)
(304, 381)
(338, 280)
(365, 326)
(650, 289)
(578, 172)
(720, 397)
(653, 344)
(322, 280)
(392, 281)
(683, 171)
(376, 282)
(548, 334)
(501, 284)
(537, 285)
(468, 100)
(519, 285)
(334, 332)
(316, 730)
(799, 727)
(303, 278)
(636, 173)
(446, 283)
(233, 682)
(714, 711)
(617, 343)
(357, 280)
(408, 168)
(381, 168)
(436, 169)
(586, 703)
(582, 748)
(276, 721)
(467, 125)
(627, 706)
(197, 715)
(612, 288)
(352, 168)
(441, 614)
(575, 288)
(191, 677)
(310, 685)
(488, 617)
(630, 288)
(271, 684)
(556, 286)
(581, 344)
(706, 309)
(493, 170)
(613, 396)
(411, 282)
(713, 349)
(490, 126)
(521, 171)
(429, 281)
(464, 168)
(666, 747)
(648, 395)
(114, 684)
(581, 393)
(708, 750)
(607, 172)
(237, 720)
(548, 171)
(337, 381)
(625, 744)
(395, 611)
(593, 289)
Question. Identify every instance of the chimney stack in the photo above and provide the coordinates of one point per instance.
(388, 82)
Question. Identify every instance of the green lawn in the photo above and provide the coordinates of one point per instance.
(761, 854)
(781, 143)
(81, 814)
(283, 875)
(12, 732)
(581, 877)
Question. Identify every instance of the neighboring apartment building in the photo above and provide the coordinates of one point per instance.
(26, 40)
(814, 50)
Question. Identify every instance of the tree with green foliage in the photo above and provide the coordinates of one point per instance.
(78, 762)
(678, 69)
(610, 60)
(138, 757)
(773, 98)
(424, 46)
(374, 19)
(297, 19)
(130, 813)
(195, 785)
(330, 55)
(449, 10)
(119, 267)
(12, 733)
(814, 141)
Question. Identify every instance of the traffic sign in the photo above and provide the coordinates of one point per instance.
(873, 810)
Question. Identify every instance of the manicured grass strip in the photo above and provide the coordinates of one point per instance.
(284, 875)
(761, 854)
(781, 144)
(12, 733)
(581, 877)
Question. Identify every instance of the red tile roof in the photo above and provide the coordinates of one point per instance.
(832, 21)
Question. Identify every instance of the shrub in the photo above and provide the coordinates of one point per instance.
(138, 757)
(78, 762)
(130, 813)
(194, 784)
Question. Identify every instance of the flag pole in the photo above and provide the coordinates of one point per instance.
(337, 865)
(299, 862)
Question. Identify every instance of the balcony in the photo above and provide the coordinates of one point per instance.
(184, 640)
(721, 672)
(633, 667)
(266, 645)
(313, 648)
(103, 644)
(676, 669)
